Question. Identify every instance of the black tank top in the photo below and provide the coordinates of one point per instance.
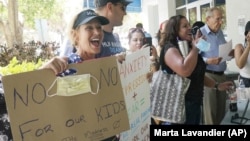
(196, 88)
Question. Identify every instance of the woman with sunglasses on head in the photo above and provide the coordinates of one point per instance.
(137, 40)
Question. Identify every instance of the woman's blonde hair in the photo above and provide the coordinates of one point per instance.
(72, 32)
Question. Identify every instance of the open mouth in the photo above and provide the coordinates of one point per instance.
(95, 42)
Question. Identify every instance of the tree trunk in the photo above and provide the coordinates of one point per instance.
(13, 28)
(5, 28)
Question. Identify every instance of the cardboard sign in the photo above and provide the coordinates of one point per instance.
(137, 94)
(36, 117)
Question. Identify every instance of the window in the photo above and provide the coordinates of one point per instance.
(190, 1)
(204, 8)
(181, 12)
(195, 10)
(192, 15)
(221, 4)
(180, 3)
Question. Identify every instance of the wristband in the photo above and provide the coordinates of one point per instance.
(216, 85)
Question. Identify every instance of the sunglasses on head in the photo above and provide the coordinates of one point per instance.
(132, 30)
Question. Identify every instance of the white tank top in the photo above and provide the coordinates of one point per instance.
(245, 71)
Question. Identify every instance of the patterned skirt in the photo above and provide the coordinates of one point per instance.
(5, 131)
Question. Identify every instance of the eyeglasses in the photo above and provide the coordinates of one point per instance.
(218, 19)
(133, 30)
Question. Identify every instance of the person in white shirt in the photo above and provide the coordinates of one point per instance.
(242, 57)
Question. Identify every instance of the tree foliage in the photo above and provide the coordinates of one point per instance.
(40, 9)
(30, 10)
(35, 9)
(19, 14)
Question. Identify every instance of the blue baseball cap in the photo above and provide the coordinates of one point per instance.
(88, 15)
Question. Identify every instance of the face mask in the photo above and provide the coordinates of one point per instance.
(73, 85)
(203, 45)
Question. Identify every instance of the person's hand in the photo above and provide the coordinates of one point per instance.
(195, 41)
(248, 40)
(196, 38)
(57, 64)
(121, 56)
(149, 76)
(231, 53)
(199, 34)
(225, 86)
(145, 45)
(214, 61)
(152, 58)
(153, 53)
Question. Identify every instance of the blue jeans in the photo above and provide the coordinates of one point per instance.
(246, 81)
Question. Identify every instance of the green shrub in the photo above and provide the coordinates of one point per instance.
(25, 58)
(16, 66)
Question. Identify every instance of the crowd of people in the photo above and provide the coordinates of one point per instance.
(91, 36)
(196, 66)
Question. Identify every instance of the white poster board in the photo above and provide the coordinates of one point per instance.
(136, 90)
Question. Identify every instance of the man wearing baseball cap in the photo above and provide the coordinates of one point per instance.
(114, 11)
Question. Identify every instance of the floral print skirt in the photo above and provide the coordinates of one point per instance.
(5, 131)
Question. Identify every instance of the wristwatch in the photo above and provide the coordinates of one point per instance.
(205, 60)
(216, 85)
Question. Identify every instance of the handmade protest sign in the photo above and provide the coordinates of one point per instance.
(136, 90)
(34, 116)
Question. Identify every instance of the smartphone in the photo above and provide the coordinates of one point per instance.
(194, 30)
(148, 40)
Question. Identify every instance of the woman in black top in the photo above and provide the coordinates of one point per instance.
(192, 66)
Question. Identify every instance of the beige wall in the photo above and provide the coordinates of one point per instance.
(236, 10)
(155, 12)
(166, 9)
